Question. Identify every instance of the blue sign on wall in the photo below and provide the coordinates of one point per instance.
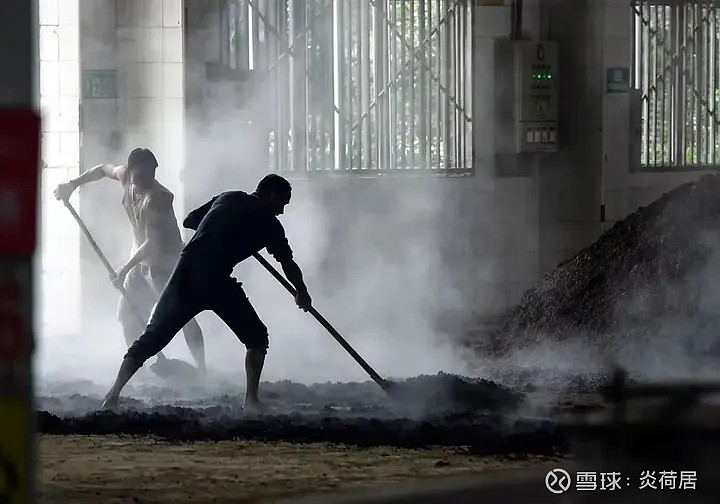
(618, 80)
(99, 84)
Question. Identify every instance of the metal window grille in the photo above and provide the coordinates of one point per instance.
(362, 86)
(676, 57)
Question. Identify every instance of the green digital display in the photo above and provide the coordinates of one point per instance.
(542, 76)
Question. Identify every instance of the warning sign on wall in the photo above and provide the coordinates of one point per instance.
(14, 451)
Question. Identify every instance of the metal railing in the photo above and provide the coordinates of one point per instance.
(362, 86)
(676, 62)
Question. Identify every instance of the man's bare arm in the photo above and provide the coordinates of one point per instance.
(140, 254)
(295, 277)
(65, 190)
(158, 209)
(96, 173)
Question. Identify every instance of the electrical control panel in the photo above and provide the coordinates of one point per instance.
(536, 90)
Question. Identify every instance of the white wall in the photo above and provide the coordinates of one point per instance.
(59, 245)
(150, 42)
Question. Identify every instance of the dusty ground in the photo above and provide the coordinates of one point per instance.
(169, 447)
(84, 469)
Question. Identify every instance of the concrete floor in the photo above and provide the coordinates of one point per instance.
(519, 486)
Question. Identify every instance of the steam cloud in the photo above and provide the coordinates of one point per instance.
(373, 266)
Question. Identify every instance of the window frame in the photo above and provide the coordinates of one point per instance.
(679, 91)
(376, 146)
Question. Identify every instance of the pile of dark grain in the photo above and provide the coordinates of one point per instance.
(651, 271)
(486, 434)
(420, 396)
(442, 409)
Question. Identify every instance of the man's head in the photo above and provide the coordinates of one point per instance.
(141, 166)
(274, 191)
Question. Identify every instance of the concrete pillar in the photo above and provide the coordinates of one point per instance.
(569, 182)
(136, 48)
(101, 127)
(18, 21)
(150, 43)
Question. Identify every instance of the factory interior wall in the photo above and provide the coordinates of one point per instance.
(496, 233)
(625, 186)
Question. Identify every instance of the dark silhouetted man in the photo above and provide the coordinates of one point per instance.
(229, 229)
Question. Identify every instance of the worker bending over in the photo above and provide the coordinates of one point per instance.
(157, 243)
(229, 229)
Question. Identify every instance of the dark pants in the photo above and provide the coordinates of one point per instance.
(143, 288)
(144, 285)
(183, 298)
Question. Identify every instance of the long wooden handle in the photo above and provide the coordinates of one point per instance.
(104, 260)
(90, 238)
(384, 384)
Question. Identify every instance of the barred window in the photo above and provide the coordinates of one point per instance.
(676, 58)
(362, 86)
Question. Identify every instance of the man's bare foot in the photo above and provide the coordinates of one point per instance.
(111, 404)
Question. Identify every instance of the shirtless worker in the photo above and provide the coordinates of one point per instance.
(229, 228)
(157, 243)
